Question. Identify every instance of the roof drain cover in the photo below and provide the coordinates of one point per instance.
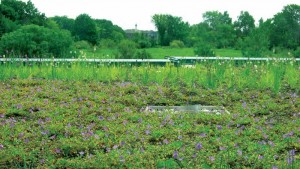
(218, 110)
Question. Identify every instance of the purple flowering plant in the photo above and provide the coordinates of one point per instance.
(68, 122)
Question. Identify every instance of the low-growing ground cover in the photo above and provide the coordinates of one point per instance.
(90, 124)
(91, 115)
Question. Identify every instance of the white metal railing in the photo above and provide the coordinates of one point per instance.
(233, 58)
(84, 60)
(168, 59)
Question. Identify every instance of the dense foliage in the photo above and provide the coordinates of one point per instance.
(170, 28)
(285, 27)
(64, 23)
(244, 25)
(15, 13)
(85, 29)
(127, 49)
(107, 30)
(203, 49)
(33, 40)
(217, 30)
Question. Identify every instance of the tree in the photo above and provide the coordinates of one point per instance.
(255, 44)
(199, 32)
(31, 15)
(266, 28)
(220, 29)
(64, 22)
(244, 25)
(225, 36)
(14, 13)
(7, 25)
(85, 29)
(286, 27)
(51, 24)
(215, 18)
(141, 39)
(21, 12)
(170, 28)
(107, 30)
(33, 40)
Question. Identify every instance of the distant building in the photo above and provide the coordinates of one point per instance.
(131, 33)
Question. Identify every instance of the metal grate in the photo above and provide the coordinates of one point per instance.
(218, 110)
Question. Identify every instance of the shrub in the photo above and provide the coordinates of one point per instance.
(296, 53)
(144, 44)
(203, 49)
(143, 54)
(252, 52)
(176, 44)
(107, 43)
(126, 49)
(82, 45)
(239, 44)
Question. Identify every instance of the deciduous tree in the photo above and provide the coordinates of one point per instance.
(107, 30)
(33, 40)
(64, 22)
(244, 24)
(170, 28)
(220, 29)
(286, 27)
(85, 29)
(215, 18)
(14, 13)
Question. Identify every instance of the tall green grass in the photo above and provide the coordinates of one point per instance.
(208, 74)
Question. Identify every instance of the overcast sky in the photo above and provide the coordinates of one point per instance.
(127, 13)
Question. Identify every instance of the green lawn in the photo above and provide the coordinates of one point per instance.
(101, 53)
(228, 53)
(160, 53)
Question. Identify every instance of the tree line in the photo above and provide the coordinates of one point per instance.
(26, 32)
(218, 30)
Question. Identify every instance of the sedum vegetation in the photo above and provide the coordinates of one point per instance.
(97, 119)
(92, 115)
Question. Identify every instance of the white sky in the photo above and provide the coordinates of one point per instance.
(127, 13)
